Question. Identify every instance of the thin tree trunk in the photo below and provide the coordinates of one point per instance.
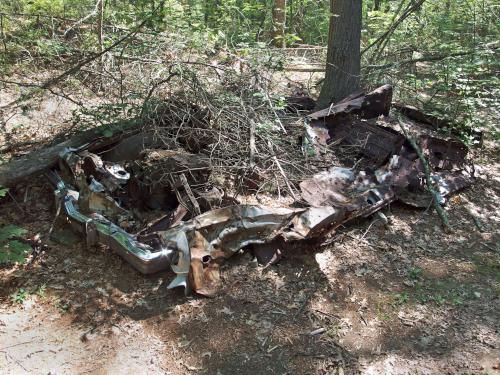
(279, 22)
(206, 14)
(100, 19)
(100, 35)
(2, 34)
(343, 64)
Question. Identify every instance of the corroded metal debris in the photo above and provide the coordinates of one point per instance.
(111, 201)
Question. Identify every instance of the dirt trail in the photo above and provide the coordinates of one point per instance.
(38, 339)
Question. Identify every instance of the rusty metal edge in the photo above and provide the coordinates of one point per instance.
(98, 229)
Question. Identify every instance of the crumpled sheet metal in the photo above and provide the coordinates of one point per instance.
(374, 142)
(399, 174)
(193, 248)
(364, 192)
(409, 184)
(428, 121)
(341, 124)
(219, 234)
(357, 193)
(98, 229)
(444, 154)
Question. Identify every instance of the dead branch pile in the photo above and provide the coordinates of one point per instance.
(249, 138)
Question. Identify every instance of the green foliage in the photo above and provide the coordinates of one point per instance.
(462, 89)
(23, 294)
(115, 116)
(445, 291)
(41, 291)
(20, 296)
(415, 273)
(12, 250)
(401, 298)
(9, 231)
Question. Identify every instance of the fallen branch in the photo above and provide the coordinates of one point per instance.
(381, 41)
(39, 161)
(436, 197)
(82, 20)
(190, 194)
(306, 68)
(426, 59)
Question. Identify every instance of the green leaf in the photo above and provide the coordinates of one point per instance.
(3, 191)
(10, 231)
(14, 252)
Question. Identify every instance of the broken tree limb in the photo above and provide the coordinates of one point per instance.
(283, 174)
(430, 184)
(429, 58)
(190, 194)
(252, 149)
(83, 20)
(319, 68)
(37, 162)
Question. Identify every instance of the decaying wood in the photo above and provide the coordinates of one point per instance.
(320, 68)
(251, 155)
(37, 162)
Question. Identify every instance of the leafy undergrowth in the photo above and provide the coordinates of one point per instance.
(11, 249)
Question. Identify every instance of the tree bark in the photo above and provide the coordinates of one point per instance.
(279, 21)
(100, 18)
(100, 34)
(343, 63)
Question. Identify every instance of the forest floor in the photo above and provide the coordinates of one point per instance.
(405, 298)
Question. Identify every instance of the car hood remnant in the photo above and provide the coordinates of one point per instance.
(113, 202)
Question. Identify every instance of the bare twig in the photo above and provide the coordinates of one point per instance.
(84, 19)
(190, 194)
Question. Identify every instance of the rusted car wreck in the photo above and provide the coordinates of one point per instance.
(98, 193)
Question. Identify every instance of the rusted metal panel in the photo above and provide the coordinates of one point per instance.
(373, 104)
(373, 141)
(444, 154)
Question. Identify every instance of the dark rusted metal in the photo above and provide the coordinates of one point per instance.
(373, 104)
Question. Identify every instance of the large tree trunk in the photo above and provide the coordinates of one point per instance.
(279, 21)
(343, 64)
